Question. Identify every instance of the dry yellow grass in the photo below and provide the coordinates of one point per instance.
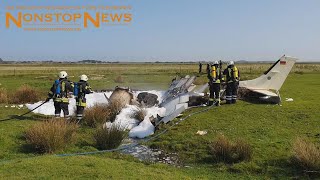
(119, 79)
(100, 114)
(223, 150)
(306, 155)
(96, 115)
(114, 109)
(139, 114)
(3, 95)
(23, 69)
(51, 135)
(25, 94)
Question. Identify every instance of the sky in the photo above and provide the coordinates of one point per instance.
(176, 30)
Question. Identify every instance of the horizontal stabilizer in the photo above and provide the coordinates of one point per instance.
(265, 92)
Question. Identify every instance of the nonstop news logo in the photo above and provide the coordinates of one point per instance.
(66, 18)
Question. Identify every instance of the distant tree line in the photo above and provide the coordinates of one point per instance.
(88, 61)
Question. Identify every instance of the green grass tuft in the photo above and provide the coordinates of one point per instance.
(109, 138)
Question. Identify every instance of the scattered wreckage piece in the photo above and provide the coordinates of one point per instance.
(201, 133)
(147, 99)
(177, 95)
(197, 100)
(174, 104)
(178, 87)
(176, 99)
(122, 95)
(170, 117)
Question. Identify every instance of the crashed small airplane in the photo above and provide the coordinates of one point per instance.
(183, 93)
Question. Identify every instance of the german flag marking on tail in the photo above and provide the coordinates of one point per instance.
(283, 62)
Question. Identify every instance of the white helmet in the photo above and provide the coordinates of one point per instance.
(231, 63)
(63, 74)
(84, 77)
(216, 62)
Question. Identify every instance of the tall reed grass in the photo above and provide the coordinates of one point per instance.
(51, 135)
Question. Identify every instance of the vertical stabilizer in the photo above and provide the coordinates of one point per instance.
(274, 77)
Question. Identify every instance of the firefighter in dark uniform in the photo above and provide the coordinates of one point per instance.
(208, 68)
(232, 77)
(200, 67)
(81, 88)
(214, 77)
(59, 93)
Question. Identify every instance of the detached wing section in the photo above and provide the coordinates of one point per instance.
(273, 78)
(176, 99)
(177, 88)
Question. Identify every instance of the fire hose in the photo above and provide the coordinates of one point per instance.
(129, 145)
(13, 117)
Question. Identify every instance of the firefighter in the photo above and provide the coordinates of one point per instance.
(214, 77)
(59, 93)
(208, 68)
(232, 77)
(200, 67)
(81, 88)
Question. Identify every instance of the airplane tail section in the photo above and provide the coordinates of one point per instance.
(274, 77)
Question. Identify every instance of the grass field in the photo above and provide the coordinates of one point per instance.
(270, 129)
